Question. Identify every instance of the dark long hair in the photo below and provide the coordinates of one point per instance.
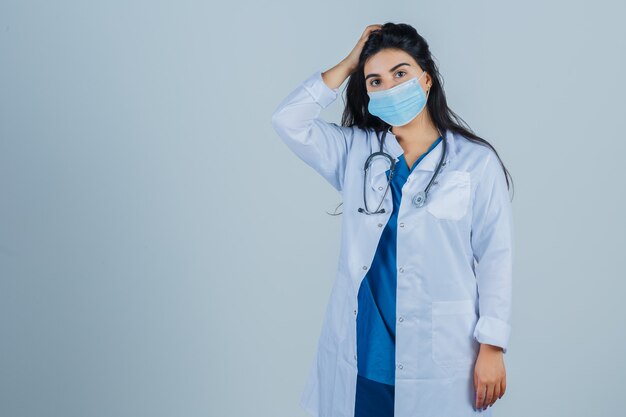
(404, 37)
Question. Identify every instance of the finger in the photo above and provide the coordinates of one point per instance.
(489, 396)
(496, 392)
(476, 388)
(480, 395)
(370, 29)
(502, 387)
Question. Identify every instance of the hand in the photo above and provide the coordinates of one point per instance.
(489, 376)
(352, 60)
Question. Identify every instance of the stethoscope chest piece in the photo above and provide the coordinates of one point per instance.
(419, 199)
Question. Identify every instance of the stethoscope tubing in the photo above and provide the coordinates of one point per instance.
(420, 198)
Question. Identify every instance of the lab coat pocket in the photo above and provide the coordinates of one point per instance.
(453, 324)
(449, 196)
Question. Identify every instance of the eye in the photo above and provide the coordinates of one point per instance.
(397, 72)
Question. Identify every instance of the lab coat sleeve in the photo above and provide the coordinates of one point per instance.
(322, 145)
(492, 244)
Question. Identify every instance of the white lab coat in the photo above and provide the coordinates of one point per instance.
(454, 260)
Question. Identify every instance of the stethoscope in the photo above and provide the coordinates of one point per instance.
(419, 199)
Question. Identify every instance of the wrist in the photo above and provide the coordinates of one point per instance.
(490, 348)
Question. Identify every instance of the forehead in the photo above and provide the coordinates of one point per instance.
(383, 61)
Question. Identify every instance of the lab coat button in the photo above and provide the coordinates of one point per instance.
(380, 225)
(355, 311)
(401, 269)
(401, 224)
(364, 267)
(401, 318)
(400, 366)
(380, 188)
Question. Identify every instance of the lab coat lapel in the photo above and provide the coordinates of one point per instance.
(380, 165)
(377, 172)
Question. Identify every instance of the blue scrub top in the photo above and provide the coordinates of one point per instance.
(376, 319)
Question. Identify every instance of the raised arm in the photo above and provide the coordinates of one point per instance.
(322, 145)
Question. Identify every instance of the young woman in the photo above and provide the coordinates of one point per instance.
(422, 295)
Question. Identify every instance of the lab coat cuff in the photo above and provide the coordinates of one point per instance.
(492, 331)
(321, 93)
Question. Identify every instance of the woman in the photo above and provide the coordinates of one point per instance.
(422, 295)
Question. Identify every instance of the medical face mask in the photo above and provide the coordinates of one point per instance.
(398, 105)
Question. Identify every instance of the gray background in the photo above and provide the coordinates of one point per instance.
(162, 253)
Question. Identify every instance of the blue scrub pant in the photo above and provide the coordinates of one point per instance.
(373, 398)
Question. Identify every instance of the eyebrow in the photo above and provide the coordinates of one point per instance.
(391, 70)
